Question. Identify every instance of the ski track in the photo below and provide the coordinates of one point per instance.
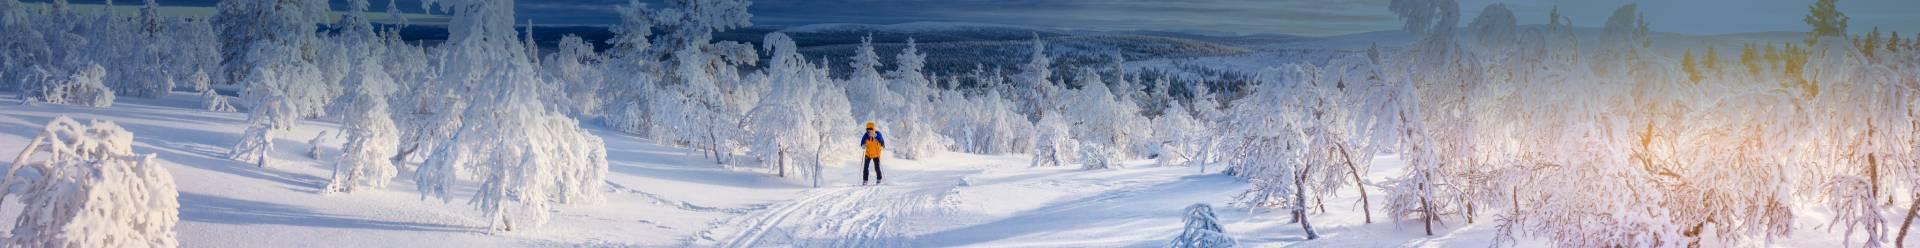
(848, 216)
(770, 220)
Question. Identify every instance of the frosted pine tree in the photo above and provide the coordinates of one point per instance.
(93, 191)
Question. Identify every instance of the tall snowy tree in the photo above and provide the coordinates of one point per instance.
(527, 156)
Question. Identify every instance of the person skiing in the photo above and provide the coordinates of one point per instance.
(873, 142)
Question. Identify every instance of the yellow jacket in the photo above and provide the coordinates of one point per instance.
(873, 142)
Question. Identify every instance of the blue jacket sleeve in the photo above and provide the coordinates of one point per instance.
(880, 138)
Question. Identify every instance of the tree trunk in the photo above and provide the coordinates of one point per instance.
(1469, 214)
(1900, 240)
(402, 157)
(1366, 208)
(1873, 173)
(1426, 215)
(1320, 203)
(781, 162)
(1300, 204)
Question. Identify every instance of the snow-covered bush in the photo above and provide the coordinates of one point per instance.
(1202, 230)
(93, 191)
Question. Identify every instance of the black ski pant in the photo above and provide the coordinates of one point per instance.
(877, 176)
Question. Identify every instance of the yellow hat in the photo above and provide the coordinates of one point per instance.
(869, 125)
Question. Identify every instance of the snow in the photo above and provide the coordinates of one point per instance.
(655, 199)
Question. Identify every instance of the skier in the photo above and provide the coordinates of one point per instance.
(873, 142)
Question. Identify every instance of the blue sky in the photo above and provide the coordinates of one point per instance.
(1305, 17)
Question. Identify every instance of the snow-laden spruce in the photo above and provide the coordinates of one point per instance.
(91, 190)
(526, 156)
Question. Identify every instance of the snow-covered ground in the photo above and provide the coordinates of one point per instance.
(658, 199)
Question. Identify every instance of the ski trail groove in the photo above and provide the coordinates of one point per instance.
(761, 225)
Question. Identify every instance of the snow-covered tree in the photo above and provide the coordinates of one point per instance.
(93, 191)
(84, 88)
(211, 100)
(1052, 140)
(1037, 92)
(983, 121)
(372, 137)
(913, 117)
(1202, 230)
(1174, 133)
(867, 88)
(795, 124)
(1099, 122)
(266, 49)
(573, 71)
(525, 155)
(690, 107)
(1206, 107)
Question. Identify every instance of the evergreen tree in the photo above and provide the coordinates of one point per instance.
(1871, 43)
(1750, 57)
(1893, 44)
(1827, 21)
(1692, 69)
